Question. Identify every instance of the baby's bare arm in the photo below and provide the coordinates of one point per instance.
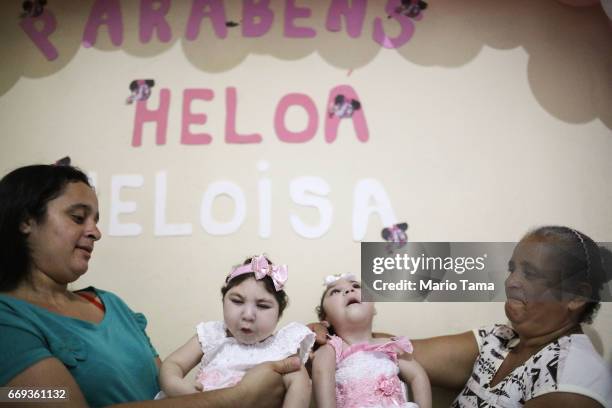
(414, 374)
(298, 388)
(177, 365)
(324, 376)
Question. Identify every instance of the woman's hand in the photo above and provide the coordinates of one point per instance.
(263, 385)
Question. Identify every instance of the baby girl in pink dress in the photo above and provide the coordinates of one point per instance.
(355, 370)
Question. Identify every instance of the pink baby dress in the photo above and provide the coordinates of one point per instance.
(367, 374)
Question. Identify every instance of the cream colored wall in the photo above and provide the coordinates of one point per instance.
(493, 119)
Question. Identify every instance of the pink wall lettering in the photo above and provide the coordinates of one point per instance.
(292, 12)
(188, 138)
(104, 12)
(334, 114)
(405, 34)
(252, 11)
(353, 14)
(212, 9)
(296, 99)
(159, 115)
(152, 18)
(358, 117)
(231, 135)
(257, 19)
(41, 38)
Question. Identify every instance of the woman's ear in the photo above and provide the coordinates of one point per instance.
(26, 226)
(583, 294)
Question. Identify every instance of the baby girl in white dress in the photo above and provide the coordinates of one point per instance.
(253, 301)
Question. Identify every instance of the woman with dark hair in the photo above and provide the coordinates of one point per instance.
(24, 195)
(542, 358)
(88, 342)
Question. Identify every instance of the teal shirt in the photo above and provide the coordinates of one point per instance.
(112, 361)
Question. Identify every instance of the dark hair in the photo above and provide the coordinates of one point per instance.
(322, 315)
(319, 309)
(582, 260)
(24, 194)
(281, 297)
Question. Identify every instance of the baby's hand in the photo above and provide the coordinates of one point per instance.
(182, 387)
(320, 330)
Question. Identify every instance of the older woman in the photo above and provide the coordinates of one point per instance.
(88, 342)
(542, 359)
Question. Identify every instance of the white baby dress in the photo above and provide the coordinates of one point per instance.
(225, 360)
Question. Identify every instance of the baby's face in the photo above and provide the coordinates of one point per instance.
(250, 312)
(342, 304)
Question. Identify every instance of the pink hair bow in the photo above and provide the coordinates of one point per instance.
(261, 268)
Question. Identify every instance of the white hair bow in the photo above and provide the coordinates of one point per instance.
(331, 279)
